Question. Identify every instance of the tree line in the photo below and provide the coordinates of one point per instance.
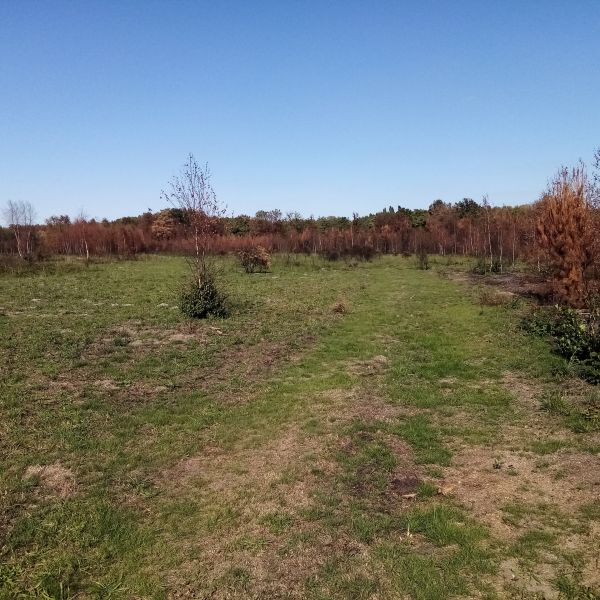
(559, 232)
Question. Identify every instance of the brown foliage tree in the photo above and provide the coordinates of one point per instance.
(565, 231)
(164, 226)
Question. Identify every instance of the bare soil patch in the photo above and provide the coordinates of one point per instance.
(528, 285)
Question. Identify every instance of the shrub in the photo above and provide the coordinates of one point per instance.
(422, 260)
(571, 334)
(483, 267)
(364, 252)
(575, 336)
(490, 297)
(201, 298)
(255, 260)
(331, 254)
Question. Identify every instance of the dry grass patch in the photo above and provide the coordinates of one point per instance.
(373, 366)
(54, 480)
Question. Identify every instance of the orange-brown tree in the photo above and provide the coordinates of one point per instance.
(565, 232)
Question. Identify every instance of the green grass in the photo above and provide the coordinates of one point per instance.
(256, 456)
(425, 440)
(581, 414)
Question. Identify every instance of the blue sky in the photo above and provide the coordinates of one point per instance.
(320, 107)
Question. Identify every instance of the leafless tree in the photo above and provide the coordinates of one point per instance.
(20, 216)
(594, 181)
(80, 226)
(488, 228)
(191, 192)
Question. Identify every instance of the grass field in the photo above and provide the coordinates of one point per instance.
(413, 443)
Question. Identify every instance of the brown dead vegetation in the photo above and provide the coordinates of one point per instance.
(550, 490)
(372, 366)
(53, 480)
(566, 233)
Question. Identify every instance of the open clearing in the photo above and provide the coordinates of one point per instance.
(396, 447)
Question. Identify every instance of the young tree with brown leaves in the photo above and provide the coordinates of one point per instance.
(565, 232)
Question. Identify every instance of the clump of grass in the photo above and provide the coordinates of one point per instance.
(436, 576)
(571, 588)
(591, 511)
(547, 446)
(491, 297)
(555, 403)
(277, 522)
(427, 490)
(582, 415)
(425, 440)
(367, 461)
(529, 545)
(340, 308)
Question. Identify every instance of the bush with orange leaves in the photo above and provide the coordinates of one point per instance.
(566, 233)
(255, 260)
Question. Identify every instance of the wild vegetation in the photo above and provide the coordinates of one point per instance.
(352, 430)
(557, 235)
(397, 406)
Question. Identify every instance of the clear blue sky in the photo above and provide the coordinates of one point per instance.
(321, 107)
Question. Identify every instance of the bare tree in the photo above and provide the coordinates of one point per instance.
(488, 229)
(191, 192)
(80, 226)
(594, 182)
(19, 217)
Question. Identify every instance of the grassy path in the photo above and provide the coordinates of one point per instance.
(397, 450)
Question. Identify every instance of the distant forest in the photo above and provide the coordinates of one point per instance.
(559, 232)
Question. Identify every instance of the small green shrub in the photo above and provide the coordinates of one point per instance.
(422, 260)
(364, 252)
(575, 336)
(571, 334)
(539, 322)
(202, 298)
(483, 267)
